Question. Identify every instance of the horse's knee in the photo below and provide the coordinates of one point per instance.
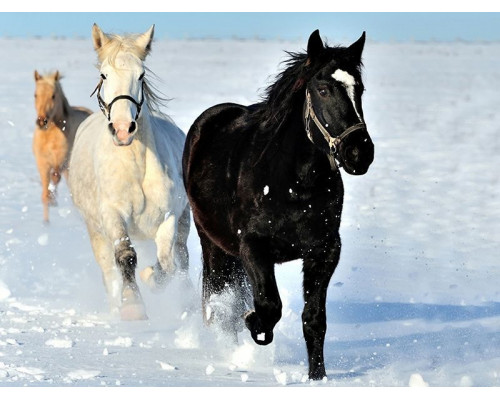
(126, 258)
(55, 177)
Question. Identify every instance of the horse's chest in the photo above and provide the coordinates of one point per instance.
(146, 198)
(153, 202)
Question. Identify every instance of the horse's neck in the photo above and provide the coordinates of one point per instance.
(294, 148)
(145, 136)
(291, 134)
(61, 115)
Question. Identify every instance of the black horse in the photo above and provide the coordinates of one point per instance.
(265, 188)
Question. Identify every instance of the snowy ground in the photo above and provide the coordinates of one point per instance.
(415, 300)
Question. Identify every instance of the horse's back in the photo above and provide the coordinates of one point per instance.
(80, 113)
(211, 130)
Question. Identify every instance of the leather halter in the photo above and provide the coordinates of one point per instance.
(107, 107)
(333, 142)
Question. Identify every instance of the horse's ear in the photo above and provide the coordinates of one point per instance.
(37, 75)
(57, 75)
(315, 45)
(356, 48)
(99, 38)
(144, 41)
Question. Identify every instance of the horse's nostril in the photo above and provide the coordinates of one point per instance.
(132, 127)
(111, 128)
(353, 153)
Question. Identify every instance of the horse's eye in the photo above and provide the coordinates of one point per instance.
(323, 92)
(103, 76)
(142, 76)
(53, 96)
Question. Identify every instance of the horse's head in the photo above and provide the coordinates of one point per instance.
(121, 64)
(46, 97)
(333, 112)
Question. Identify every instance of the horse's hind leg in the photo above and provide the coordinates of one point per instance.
(226, 292)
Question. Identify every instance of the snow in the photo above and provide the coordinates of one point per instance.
(415, 300)
(60, 343)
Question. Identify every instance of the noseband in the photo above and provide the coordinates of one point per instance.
(106, 108)
(333, 142)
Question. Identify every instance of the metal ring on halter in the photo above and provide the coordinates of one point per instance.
(107, 107)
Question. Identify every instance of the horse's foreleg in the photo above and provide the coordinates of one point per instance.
(55, 178)
(44, 171)
(132, 307)
(318, 271)
(157, 276)
(103, 252)
(257, 262)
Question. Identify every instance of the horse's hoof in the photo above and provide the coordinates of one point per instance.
(259, 334)
(318, 374)
(147, 276)
(155, 279)
(133, 312)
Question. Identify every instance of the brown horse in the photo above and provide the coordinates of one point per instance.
(55, 129)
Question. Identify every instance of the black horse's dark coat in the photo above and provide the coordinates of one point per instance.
(262, 192)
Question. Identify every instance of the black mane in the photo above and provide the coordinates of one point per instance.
(288, 87)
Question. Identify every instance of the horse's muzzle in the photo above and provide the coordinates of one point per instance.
(356, 152)
(123, 133)
(41, 121)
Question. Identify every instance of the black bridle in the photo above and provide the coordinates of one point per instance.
(333, 141)
(106, 108)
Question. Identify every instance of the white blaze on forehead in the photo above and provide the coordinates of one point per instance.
(343, 77)
(349, 82)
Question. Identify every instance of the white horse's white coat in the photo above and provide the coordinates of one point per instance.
(130, 190)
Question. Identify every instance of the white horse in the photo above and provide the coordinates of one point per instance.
(126, 175)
